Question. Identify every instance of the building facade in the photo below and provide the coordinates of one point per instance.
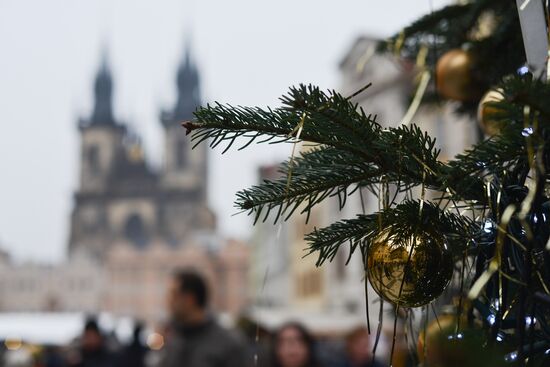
(132, 225)
(120, 198)
(74, 286)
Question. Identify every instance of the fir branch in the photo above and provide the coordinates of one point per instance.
(329, 120)
(326, 172)
(316, 175)
(401, 221)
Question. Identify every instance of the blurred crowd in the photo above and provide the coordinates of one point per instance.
(194, 338)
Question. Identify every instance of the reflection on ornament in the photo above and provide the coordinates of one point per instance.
(485, 112)
(523, 70)
(454, 78)
(411, 272)
(484, 27)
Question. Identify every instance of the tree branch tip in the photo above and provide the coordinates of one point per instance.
(189, 126)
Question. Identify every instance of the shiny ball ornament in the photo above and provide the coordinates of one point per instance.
(454, 77)
(485, 112)
(442, 327)
(468, 347)
(411, 272)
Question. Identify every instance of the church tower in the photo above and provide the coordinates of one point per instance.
(183, 178)
(120, 199)
(100, 135)
(101, 139)
(184, 168)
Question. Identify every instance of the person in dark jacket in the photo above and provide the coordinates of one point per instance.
(133, 355)
(197, 340)
(93, 351)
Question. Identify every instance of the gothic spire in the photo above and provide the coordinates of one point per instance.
(188, 85)
(103, 90)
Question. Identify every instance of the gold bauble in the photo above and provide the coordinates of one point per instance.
(454, 77)
(485, 113)
(411, 272)
(443, 326)
(445, 347)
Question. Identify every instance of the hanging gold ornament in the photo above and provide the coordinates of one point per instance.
(485, 113)
(445, 325)
(445, 343)
(411, 272)
(454, 76)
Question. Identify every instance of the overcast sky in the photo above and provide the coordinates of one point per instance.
(249, 52)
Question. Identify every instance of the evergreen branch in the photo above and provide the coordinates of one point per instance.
(401, 221)
(506, 151)
(320, 173)
(519, 92)
(354, 151)
(329, 120)
(327, 171)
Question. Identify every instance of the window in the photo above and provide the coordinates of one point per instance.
(341, 258)
(181, 153)
(309, 284)
(135, 231)
(93, 159)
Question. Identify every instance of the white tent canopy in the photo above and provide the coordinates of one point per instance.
(55, 328)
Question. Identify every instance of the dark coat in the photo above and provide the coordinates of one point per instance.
(205, 345)
(98, 358)
(132, 356)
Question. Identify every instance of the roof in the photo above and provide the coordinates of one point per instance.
(358, 42)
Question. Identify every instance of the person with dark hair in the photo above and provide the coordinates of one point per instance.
(93, 351)
(294, 347)
(197, 339)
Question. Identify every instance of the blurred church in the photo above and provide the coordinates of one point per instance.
(133, 225)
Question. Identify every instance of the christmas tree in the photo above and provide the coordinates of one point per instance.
(480, 219)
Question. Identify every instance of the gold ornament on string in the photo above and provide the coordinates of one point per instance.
(454, 77)
(445, 324)
(485, 112)
(411, 272)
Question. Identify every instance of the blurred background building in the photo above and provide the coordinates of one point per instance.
(132, 225)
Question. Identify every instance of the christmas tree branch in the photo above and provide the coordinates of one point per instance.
(401, 221)
(327, 172)
(354, 152)
(327, 119)
(310, 178)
